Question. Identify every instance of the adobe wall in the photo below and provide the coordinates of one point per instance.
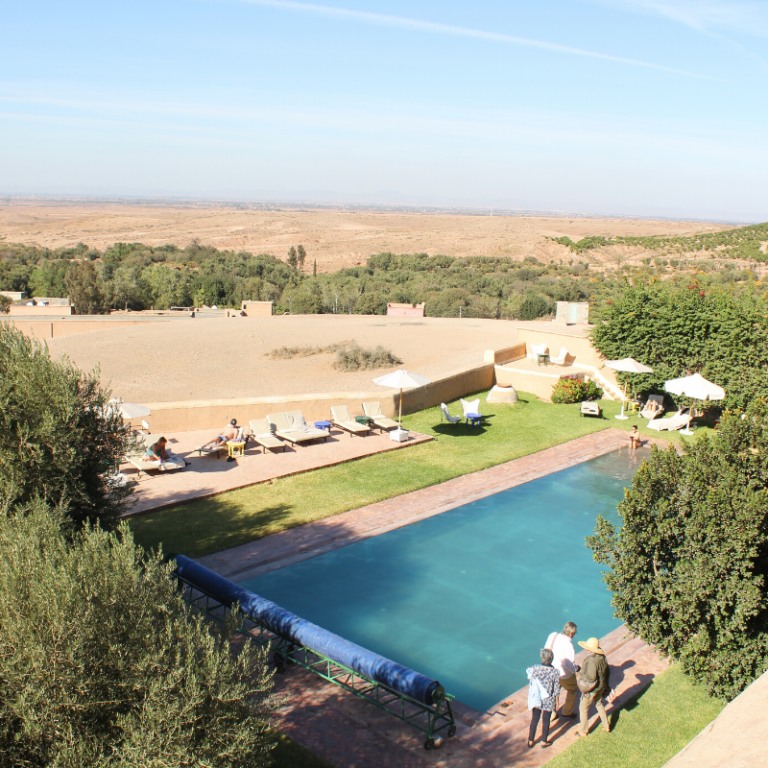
(55, 310)
(50, 329)
(539, 384)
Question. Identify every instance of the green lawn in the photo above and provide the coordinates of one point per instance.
(649, 729)
(233, 518)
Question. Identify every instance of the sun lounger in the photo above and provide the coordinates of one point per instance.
(560, 359)
(653, 408)
(292, 427)
(219, 448)
(373, 411)
(673, 422)
(136, 457)
(591, 408)
(341, 418)
(261, 434)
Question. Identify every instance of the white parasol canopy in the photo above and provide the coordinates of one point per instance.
(696, 387)
(130, 410)
(401, 380)
(627, 365)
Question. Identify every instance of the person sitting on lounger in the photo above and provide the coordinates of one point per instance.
(228, 433)
(158, 452)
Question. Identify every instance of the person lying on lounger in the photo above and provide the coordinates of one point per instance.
(228, 433)
(158, 452)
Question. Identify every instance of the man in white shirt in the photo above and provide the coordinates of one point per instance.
(561, 645)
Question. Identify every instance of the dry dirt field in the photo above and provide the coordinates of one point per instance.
(211, 359)
(335, 239)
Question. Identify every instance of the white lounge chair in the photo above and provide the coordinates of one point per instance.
(219, 448)
(373, 411)
(261, 434)
(341, 418)
(136, 457)
(538, 349)
(447, 416)
(560, 359)
(292, 426)
(677, 420)
(470, 406)
(653, 408)
(591, 408)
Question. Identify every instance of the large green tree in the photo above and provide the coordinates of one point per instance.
(58, 438)
(678, 330)
(689, 564)
(102, 665)
(85, 288)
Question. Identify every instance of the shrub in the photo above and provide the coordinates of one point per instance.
(573, 389)
(533, 307)
(688, 567)
(103, 664)
(356, 358)
(58, 439)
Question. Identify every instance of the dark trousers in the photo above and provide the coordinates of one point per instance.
(535, 715)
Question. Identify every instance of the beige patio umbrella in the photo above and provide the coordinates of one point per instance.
(697, 388)
(401, 380)
(627, 365)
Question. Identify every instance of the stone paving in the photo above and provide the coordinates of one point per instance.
(208, 475)
(353, 734)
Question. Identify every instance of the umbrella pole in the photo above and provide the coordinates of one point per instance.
(621, 415)
(400, 414)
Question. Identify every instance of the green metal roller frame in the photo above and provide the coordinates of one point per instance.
(430, 720)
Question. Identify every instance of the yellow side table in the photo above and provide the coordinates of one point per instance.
(630, 406)
(235, 449)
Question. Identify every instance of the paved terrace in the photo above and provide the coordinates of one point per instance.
(351, 733)
(208, 475)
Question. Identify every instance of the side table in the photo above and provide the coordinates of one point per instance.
(473, 419)
(235, 449)
(326, 425)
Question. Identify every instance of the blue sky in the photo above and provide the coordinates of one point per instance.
(636, 107)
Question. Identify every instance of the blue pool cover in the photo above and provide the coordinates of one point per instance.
(307, 634)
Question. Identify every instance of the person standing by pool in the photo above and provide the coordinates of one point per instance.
(543, 690)
(561, 645)
(594, 685)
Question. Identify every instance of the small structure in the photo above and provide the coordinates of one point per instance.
(502, 393)
(14, 295)
(42, 305)
(405, 310)
(256, 308)
(572, 313)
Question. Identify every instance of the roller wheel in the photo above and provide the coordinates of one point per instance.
(429, 744)
(452, 731)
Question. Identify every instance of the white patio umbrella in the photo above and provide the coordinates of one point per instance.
(401, 380)
(697, 388)
(130, 410)
(627, 365)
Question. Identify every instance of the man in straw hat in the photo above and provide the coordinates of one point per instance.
(594, 685)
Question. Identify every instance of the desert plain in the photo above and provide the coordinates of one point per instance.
(334, 238)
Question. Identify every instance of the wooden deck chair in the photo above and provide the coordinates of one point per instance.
(261, 434)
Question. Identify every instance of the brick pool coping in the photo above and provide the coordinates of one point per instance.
(350, 733)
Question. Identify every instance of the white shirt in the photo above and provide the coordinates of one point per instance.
(562, 647)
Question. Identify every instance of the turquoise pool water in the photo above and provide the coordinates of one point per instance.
(469, 596)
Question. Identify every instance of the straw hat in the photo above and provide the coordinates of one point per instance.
(592, 645)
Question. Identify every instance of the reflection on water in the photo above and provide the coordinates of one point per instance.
(469, 596)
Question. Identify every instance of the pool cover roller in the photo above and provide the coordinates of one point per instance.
(305, 633)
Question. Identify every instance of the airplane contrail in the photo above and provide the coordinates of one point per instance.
(403, 22)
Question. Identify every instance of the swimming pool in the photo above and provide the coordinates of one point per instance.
(470, 595)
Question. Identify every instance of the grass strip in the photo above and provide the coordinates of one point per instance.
(650, 728)
(508, 432)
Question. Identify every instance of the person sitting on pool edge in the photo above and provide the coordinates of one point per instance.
(634, 438)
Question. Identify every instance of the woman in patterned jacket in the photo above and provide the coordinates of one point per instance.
(543, 691)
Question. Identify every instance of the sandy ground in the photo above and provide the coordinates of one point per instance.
(206, 359)
(335, 239)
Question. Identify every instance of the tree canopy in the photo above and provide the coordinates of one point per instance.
(102, 665)
(688, 566)
(678, 330)
(58, 439)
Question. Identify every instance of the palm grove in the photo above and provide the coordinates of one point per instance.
(101, 663)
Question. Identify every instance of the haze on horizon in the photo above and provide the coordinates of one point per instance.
(623, 107)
